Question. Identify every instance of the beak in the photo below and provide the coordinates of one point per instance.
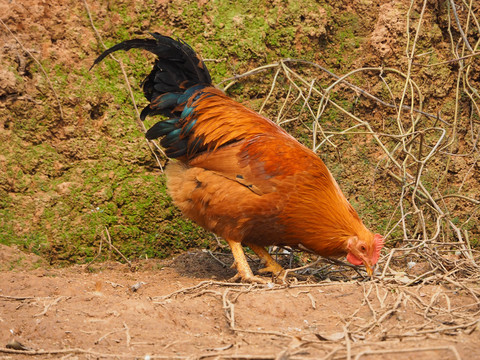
(369, 269)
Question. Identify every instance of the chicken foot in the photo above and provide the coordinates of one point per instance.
(271, 265)
(244, 273)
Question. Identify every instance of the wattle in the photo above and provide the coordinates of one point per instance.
(353, 259)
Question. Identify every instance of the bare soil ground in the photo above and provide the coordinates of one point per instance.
(185, 308)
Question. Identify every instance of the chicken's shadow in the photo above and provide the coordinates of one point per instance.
(202, 264)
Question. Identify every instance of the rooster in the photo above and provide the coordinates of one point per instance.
(238, 174)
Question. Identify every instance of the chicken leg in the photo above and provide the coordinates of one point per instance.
(270, 264)
(244, 273)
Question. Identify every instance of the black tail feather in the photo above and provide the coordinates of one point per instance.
(147, 44)
(178, 73)
(177, 65)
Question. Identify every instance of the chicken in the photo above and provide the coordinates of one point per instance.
(238, 174)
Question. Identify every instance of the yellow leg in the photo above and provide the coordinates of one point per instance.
(270, 264)
(244, 274)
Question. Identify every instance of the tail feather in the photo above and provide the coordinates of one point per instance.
(147, 44)
(178, 79)
(162, 128)
(176, 69)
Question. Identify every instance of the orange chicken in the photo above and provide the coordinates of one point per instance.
(238, 174)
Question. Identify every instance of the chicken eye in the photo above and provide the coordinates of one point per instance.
(363, 248)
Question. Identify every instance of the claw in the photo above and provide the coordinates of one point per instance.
(276, 269)
(271, 266)
(246, 278)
